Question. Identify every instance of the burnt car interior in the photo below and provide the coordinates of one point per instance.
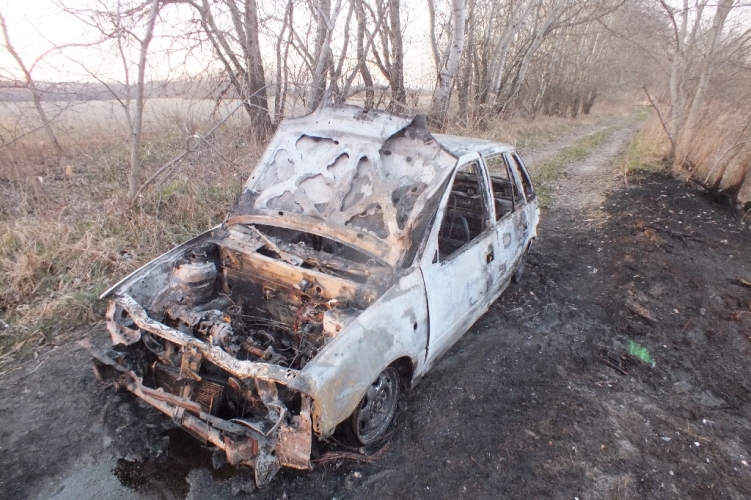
(465, 216)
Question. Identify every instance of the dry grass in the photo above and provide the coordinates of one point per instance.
(650, 148)
(719, 157)
(528, 134)
(67, 230)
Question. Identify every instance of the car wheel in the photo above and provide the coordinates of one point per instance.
(377, 408)
(519, 271)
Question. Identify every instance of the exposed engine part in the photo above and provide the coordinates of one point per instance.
(259, 337)
(209, 394)
(220, 333)
(198, 277)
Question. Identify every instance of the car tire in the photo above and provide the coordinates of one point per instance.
(376, 410)
(519, 271)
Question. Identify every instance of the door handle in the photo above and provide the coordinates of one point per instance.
(489, 257)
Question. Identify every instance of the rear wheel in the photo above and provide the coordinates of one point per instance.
(377, 408)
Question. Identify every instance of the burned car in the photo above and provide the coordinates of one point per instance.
(360, 249)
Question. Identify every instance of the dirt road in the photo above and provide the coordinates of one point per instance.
(541, 399)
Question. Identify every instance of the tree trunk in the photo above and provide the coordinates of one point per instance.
(281, 62)
(498, 61)
(323, 57)
(464, 85)
(260, 120)
(391, 61)
(446, 75)
(521, 75)
(246, 73)
(254, 80)
(31, 85)
(135, 131)
(367, 78)
(398, 92)
(686, 134)
(589, 101)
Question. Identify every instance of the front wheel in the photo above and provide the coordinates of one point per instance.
(377, 408)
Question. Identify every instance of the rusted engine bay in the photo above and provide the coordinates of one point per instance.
(265, 295)
(222, 294)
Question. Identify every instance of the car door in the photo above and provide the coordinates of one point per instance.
(459, 265)
(525, 216)
(531, 207)
(508, 202)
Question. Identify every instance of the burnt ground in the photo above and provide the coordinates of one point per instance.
(540, 399)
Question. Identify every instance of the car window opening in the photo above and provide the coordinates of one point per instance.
(529, 192)
(465, 216)
(505, 193)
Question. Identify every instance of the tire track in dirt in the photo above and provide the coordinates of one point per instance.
(583, 185)
(538, 155)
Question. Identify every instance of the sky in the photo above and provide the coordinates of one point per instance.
(36, 26)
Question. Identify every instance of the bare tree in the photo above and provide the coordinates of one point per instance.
(135, 121)
(119, 26)
(362, 52)
(390, 58)
(32, 87)
(447, 72)
(239, 52)
(686, 102)
(282, 59)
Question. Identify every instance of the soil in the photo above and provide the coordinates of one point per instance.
(540, 399)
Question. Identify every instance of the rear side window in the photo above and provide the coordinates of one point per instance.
(504, 188)
(529, 193)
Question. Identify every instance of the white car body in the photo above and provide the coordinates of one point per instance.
(360, 242)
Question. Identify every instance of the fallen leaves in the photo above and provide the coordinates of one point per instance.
(640, 310)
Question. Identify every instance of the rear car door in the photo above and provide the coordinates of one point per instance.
(460, 265)
(508, 202)
(525, 218)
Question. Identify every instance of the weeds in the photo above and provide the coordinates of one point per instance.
(648, 149)
(526, 134)
(65, 238)
(53, 272)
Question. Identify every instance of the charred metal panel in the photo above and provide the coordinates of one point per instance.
(395, 326)
(260, 268)
(460, 146)
(371, 174)
(462, 286)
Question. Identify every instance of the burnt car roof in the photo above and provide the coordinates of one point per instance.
(459, 145)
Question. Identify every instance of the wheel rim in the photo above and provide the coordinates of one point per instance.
(377, 407)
